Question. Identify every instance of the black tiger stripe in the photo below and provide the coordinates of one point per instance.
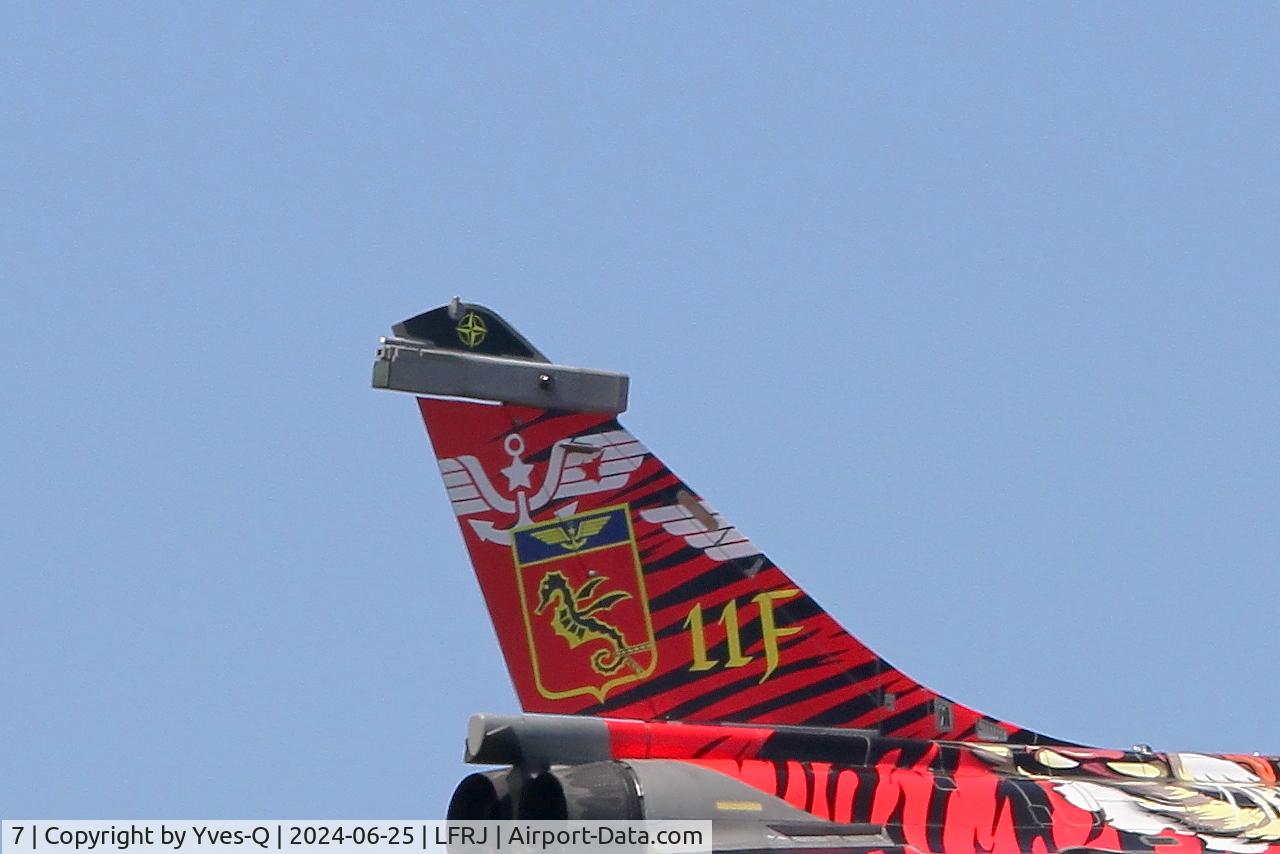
(701, 585)
(712, 697)
(905, 718)
(935, 823)
(603, 425)
(781, 777)
(842, 679)
(947, 761)
(833, 785)
(846, 712)
(709, 747)
(682, 555)
(682, 675)
(865, 795)
(851, 748)
(644, 500)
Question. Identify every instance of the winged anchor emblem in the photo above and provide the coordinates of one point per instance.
(577, 466)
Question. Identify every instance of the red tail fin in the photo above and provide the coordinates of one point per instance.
(616, 590)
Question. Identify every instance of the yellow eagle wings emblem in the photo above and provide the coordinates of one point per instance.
(571, 536)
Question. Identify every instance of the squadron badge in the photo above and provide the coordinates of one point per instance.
(586, 613)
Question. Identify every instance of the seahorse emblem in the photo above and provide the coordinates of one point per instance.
(573, 617)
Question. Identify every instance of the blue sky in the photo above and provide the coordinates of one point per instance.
(966, 314)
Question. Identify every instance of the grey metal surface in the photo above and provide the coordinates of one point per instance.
(536, 741)
(746, 819)
(681, 791)
(412, 366)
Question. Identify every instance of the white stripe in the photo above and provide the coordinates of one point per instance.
(722, 537)
(456, 478)
(666, 513)
(466, 508)
(466, 490)
(733, 550)
(684, 527)
(623, 466)
(723, 542)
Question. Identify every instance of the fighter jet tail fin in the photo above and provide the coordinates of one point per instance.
(615, 588)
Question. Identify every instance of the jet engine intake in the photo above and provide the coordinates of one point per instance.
(484, 796)
(595, 791)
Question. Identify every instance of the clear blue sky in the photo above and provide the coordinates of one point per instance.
(967, 315)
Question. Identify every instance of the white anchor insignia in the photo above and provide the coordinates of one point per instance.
(616, 452)
(517, 473)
